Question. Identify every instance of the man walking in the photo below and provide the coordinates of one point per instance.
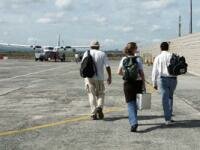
(95, 85)
(164, 81)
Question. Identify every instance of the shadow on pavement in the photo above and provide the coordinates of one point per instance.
(149, 117)
(115, 118)
(126, 117)
(176, 124)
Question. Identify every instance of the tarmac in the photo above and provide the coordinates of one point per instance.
(44, 106)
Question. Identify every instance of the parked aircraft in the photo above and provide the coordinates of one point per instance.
(42, 53)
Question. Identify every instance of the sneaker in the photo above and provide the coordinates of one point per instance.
(167, 123)
(172, 120)
(94, 117)
(100, 114)
(134, 128)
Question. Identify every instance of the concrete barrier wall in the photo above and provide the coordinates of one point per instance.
(188, 46)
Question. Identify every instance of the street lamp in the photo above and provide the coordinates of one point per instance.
(190, 16)
(179, 32)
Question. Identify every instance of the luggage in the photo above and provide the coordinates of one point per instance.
(143, 101)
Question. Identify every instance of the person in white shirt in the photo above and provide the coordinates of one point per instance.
(164, 81)
(131, 88)
(95, 85)
(77, 57)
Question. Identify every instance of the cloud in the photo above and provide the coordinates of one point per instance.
(51, 18)
(108, 43)
(32, 40)
(55, 15)
(44, 20)
(16, 4)
(2, 21)
(156, 40)
(63, 3)
(5, 33)
(155, 28)
(198, 24)
(124, 28)
(101, 20)
(75, 19)
(157, 4)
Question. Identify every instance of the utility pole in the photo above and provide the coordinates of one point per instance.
(190, 16)
(59, 40)
(179, 27)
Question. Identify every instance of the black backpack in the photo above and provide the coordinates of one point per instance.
(177, 65)
(130, 67)
(88, 68)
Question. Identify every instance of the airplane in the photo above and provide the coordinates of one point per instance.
(42, 53)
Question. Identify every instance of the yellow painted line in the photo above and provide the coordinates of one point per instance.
(69, 120)
(149, 87)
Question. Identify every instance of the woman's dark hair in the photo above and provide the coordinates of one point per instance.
(164, 46)
(130, 47)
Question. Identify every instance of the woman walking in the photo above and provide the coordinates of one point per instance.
(131, 69)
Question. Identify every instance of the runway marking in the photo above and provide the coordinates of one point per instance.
(29, 74)
(150, 87)
(68, 120)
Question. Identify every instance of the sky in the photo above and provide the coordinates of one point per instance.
(112, 22)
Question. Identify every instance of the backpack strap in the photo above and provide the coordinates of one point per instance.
(88, 52)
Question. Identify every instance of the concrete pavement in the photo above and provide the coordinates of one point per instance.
(44, 106)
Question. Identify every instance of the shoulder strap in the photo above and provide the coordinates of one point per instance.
(134, 59)
(88, 52)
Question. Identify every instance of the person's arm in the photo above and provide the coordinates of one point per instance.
(108, 69)
(109, 80)
(155, 73)
(141, 72)
(120, 72)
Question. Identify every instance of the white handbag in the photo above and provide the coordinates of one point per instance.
(144, 101)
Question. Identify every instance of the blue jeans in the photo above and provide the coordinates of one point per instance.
(167, 87)
(132, 113)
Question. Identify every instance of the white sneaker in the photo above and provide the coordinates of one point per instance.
(168, 123)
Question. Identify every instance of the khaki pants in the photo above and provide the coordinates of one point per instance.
(96, 93)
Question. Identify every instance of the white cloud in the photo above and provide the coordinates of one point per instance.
(108, 41)
(32, 40)
(198, 24)
(55, 15)
(101, 20)
(155, 28)
(5, 33)
(156, 40)
(51, 18)
(18, 4)
(124, 28)
(2, 21)
(157, 4)
(45, 20)
(63, 3)
(75, 19)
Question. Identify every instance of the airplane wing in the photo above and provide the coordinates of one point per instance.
(6, 44)
(77, 47)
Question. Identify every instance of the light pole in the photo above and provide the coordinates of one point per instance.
(179, 26)
(190, 16)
